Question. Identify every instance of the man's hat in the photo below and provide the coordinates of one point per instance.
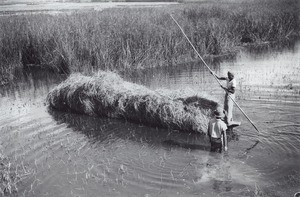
(230, 72)
(219, 113)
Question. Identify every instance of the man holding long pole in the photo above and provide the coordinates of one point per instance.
(230, 92)
(212, 72)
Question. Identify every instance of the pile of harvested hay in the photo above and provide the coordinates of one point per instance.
(107, 94)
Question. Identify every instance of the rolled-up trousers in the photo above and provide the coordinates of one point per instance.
(216, 145)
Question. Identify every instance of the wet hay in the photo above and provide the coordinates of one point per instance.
(106, 94)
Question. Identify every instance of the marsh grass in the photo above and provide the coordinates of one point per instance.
(130, 38)
(9, 177)
(107, 94)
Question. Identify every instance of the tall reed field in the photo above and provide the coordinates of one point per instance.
(130, 38)
(106, 94)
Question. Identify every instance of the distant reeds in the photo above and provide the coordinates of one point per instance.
(129, 38)
(107, 94)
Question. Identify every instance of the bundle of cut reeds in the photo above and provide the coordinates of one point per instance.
(107, 94)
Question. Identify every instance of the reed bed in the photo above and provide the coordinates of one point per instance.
(106, 94)
(130, 38)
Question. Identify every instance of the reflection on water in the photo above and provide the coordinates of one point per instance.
(271, 76)
(63, 154)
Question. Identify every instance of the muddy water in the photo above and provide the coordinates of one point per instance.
(63, 154)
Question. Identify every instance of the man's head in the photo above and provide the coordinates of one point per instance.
(230, 75)
(219, 113)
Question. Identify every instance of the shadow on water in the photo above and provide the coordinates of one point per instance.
(178, 153)
(105, 130)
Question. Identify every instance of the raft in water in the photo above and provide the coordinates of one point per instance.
(106, 94)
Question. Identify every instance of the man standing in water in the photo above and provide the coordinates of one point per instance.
(217, 132)
(230, 92)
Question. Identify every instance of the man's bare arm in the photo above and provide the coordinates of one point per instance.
(225, 140)
(220, 78)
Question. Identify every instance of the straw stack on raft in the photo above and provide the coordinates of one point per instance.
(107, 94)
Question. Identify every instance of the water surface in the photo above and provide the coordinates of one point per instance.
(65, 7)
(64, 154)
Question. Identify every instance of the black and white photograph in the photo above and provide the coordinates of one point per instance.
(150, 98)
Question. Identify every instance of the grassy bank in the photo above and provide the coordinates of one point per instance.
(106, 94)
(123, 38)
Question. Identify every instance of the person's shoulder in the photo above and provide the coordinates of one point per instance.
(222, 122)
(224, 125)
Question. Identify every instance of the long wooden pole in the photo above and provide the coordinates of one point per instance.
(212, 71)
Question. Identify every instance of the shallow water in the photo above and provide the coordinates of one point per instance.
(63, 154)
(27, 7)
